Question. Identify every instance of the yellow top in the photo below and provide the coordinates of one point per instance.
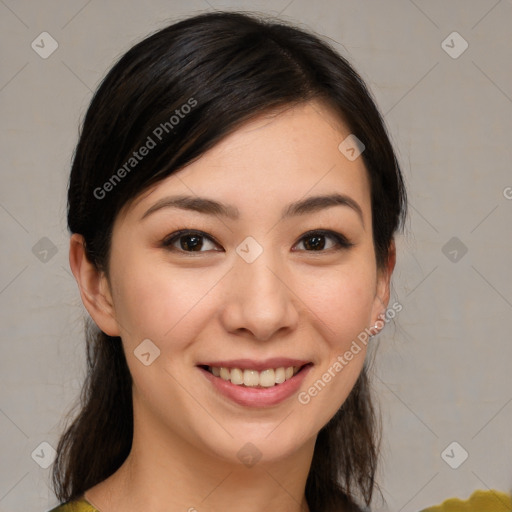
(78, 505)
(479, 501)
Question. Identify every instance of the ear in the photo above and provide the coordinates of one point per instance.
(383, 292)
(94, 287)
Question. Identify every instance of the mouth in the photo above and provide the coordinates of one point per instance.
(253, 384)
(252, 378)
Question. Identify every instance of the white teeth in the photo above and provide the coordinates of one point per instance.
(237, 376)
(280, 375)
(253, 378)
(267, 378)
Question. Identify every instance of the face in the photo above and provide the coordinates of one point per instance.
(269, 280)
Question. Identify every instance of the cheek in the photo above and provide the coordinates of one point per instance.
(343, 301)
(343, 307)
(161, 303)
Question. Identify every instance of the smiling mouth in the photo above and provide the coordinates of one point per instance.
(253, 378)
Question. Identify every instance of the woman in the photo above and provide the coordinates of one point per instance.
(233, 203)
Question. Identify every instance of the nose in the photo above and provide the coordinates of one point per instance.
(260, 299)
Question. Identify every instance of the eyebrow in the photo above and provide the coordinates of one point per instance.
(211, 207)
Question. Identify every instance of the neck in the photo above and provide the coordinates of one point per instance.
(164, 472)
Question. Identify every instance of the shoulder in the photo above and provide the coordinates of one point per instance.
(479, 501)
(78, 505)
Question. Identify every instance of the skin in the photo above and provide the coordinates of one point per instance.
(211, 305)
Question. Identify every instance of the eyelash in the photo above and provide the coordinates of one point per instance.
(341, 241)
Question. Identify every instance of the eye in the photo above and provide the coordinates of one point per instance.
(189, 241)
(315, 241)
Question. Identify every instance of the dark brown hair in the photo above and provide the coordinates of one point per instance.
(228, 67)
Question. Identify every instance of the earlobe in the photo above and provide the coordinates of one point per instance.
(387, 272)
(94, 287)
(384, 285)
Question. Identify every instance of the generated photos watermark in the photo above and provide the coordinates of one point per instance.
(157, 135)
(304, 397)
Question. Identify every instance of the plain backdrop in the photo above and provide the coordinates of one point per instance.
(443, 369)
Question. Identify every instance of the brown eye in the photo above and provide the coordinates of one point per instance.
(316, 241)
(189, 241)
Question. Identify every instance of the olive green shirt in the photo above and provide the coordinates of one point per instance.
(479, 501)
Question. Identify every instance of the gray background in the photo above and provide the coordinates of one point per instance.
(444, 369)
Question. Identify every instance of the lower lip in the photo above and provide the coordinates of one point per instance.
(258, 397)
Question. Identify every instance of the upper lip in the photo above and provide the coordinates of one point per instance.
(250, 364)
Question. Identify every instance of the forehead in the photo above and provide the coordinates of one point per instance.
(275, 158)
